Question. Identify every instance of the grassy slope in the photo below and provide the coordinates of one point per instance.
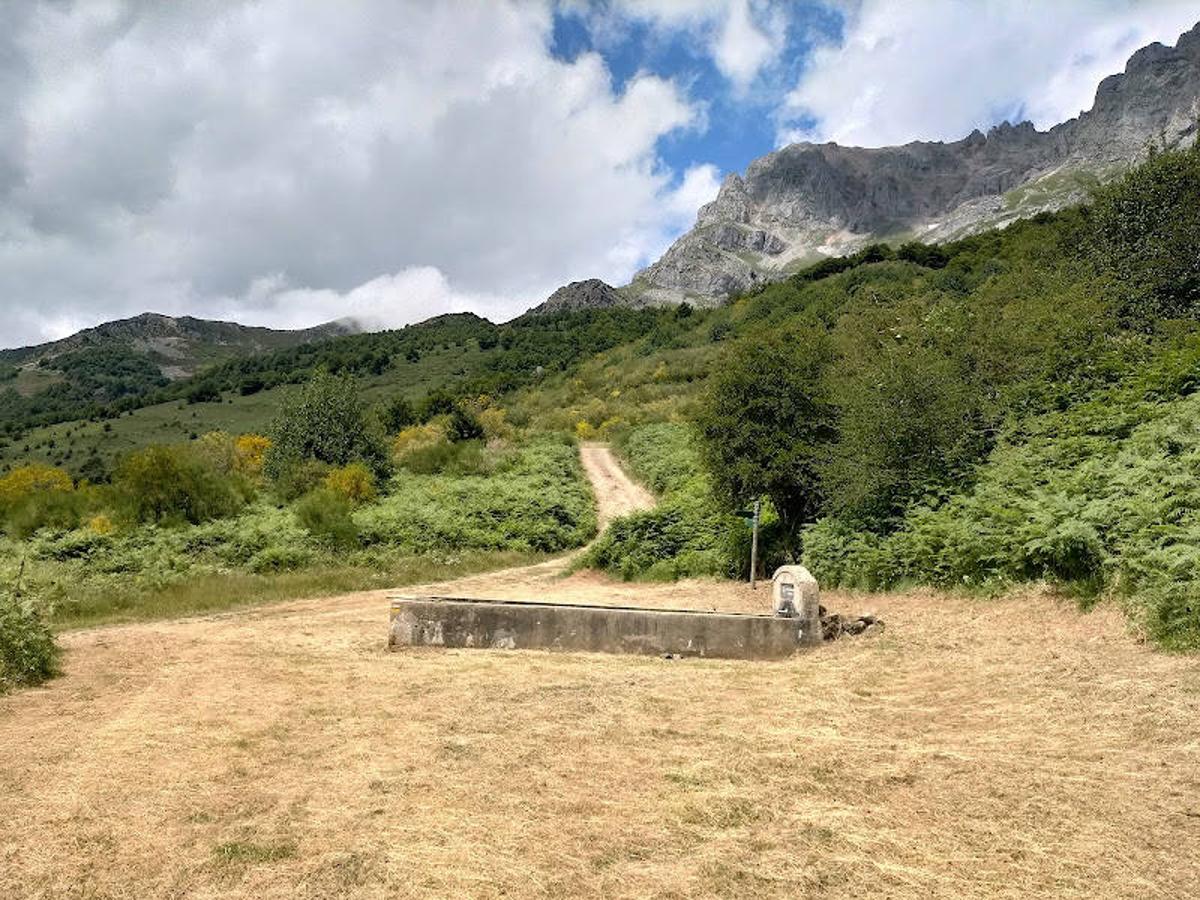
(70, 443)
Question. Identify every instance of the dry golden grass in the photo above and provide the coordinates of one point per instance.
(1010, 748)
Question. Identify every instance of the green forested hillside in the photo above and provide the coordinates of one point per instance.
(1022, 411)
(1015, 406)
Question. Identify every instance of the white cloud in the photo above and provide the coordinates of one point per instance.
(742, 37)
(742, 48)
(420, 292)
(939, 68)
(287, 162)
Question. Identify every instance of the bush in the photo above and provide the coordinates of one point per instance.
(23, 481)
(353, 482)
(326, 516)
(249, 450)
(279, 559)
(415, 437)
(176, 484)
(397, 414)
(463, 425)
(298, 478)
(441, 456)
(28, 654)
(49, 509)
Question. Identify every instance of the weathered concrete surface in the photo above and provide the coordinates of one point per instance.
(794, 592)
(511, 625)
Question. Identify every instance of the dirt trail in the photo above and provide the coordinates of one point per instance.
(1006, 748)
(616, 494)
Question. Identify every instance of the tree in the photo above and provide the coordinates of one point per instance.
(765, 425)
(910, 404)
(397, 414)
(324, 421)
(1147, 237)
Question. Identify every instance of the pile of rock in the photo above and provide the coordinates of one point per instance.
(833, 626)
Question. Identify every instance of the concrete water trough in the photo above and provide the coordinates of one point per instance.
(538, 625)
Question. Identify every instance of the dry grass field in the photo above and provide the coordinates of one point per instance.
(991, 749)
(1013, 748)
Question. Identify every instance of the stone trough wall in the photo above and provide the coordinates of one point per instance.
(522, 625)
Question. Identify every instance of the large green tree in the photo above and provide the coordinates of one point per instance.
(324, 421)
(1147, 237)
(765, 424)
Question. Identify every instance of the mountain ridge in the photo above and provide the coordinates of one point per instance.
(808, 201)
(179, 345)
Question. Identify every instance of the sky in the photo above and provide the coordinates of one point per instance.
(290, 162)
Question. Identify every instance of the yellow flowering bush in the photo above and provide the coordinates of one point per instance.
(248, 453)
(353, 482)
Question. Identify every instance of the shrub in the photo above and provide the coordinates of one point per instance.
(279, 559)
(249, 451)
(298, 478)
(101, 524)
(175, 483)
(353, 482)
(463, 425)
(48, 509)
(26, 480)
(444, 457)
(415, 437)
(494, 422)
(397, 414)
(326, 516)
(216, 450)
(204, 392)
(28, 654)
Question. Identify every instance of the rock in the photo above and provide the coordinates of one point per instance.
(834, 626)
(591, 293)
(806, 200)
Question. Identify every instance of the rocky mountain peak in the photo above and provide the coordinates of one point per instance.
(592, 293)
(806, 201)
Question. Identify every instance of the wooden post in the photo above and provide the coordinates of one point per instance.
(754, 547)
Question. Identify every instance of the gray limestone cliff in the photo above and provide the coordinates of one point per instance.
(807, 201)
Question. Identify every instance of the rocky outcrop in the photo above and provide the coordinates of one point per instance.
(806, 200)
(589, 294)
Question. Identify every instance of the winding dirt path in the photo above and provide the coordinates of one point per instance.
(1008, 748)
(616, 493)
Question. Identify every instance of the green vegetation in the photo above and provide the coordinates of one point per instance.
(533, 500)
(684, 535)
(1021, 412)
(767, 424)
(324, 422)
(1104, 495)
(1009, 407)
(28, 654)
